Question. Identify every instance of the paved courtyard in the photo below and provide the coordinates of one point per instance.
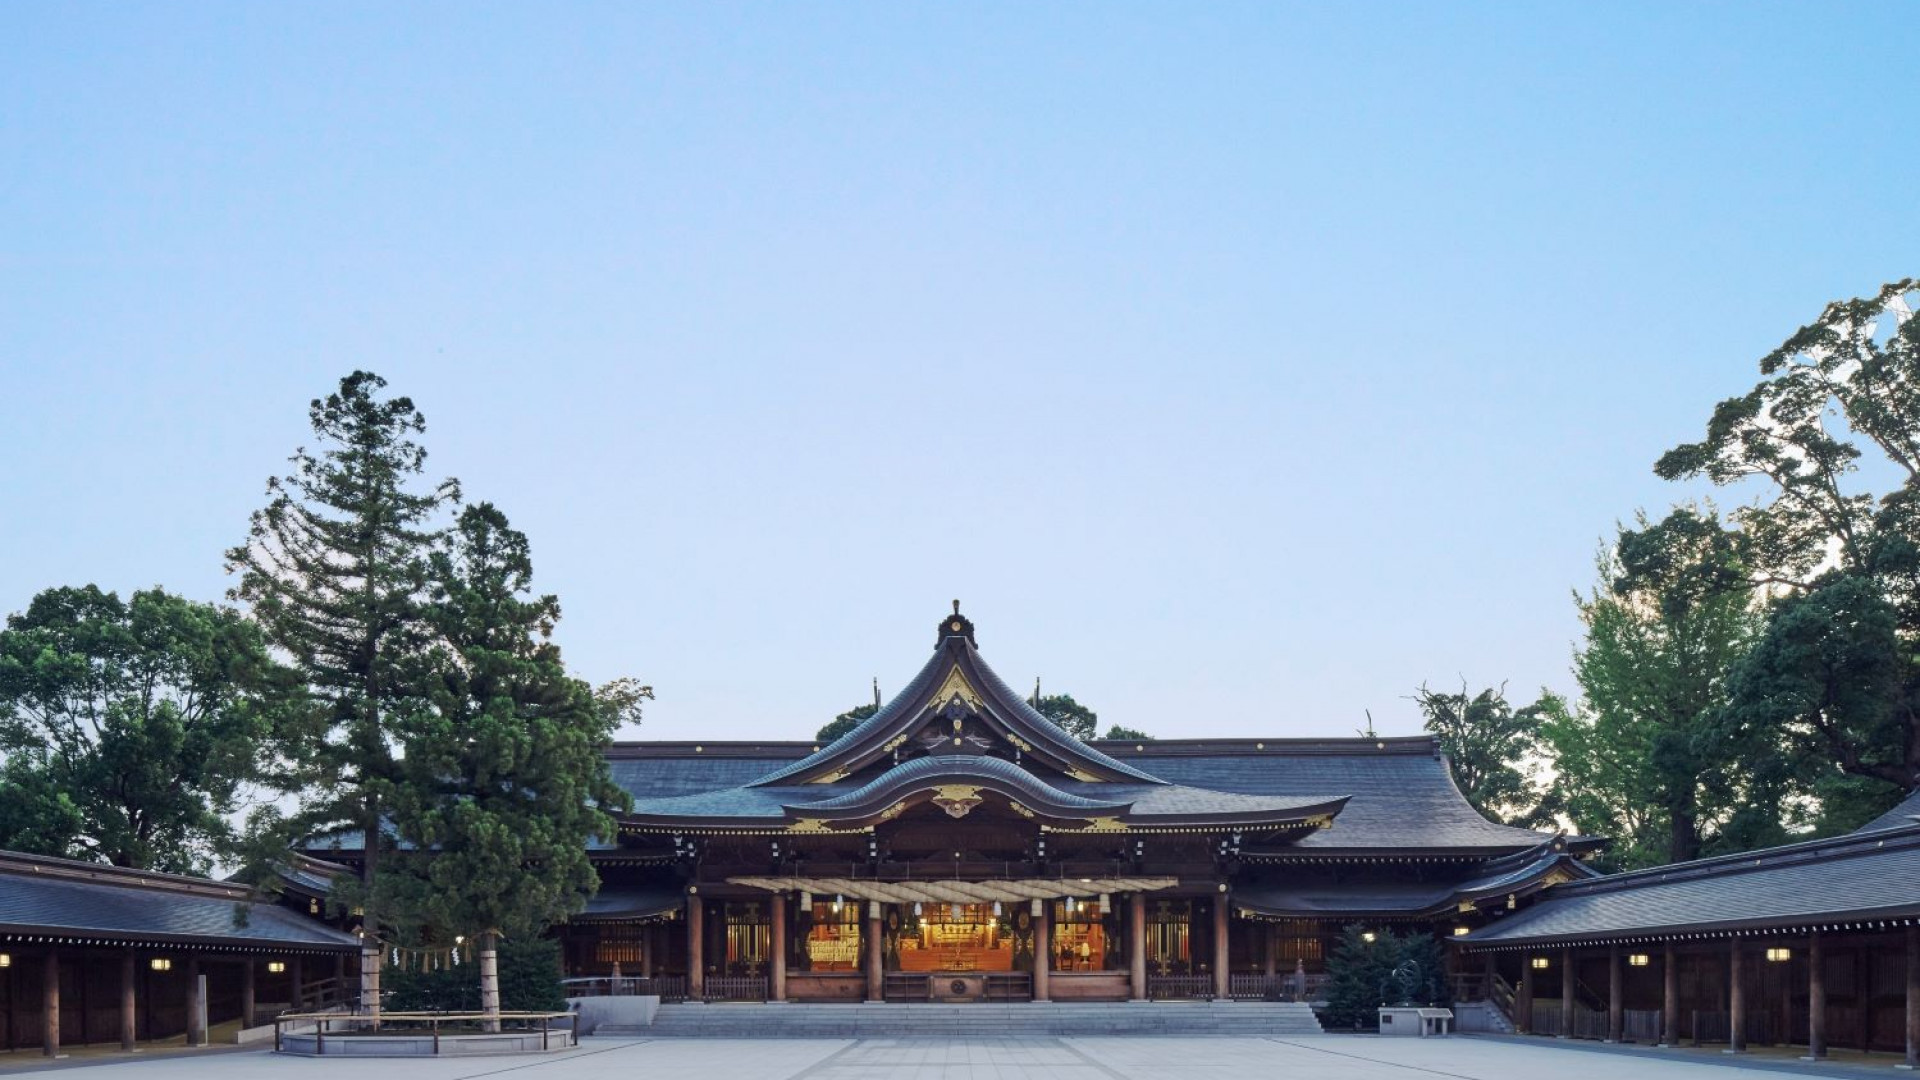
(1328, 1057)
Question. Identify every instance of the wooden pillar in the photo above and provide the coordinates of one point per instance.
(296, 998)
(1566, 993)
(1670, 997)
(1523, 998)
(1736, 996)
(1816, 998)
(876, 953)
(1913, 997)
(50, 1004)
(129, 1011)
(1042, 949)
(777, 965)
(696, 948)
(196, 1005)
(247, 989)
(1270, 948)
(1222, 913)
(1616, 995)
(649, 935)
(1137, 946)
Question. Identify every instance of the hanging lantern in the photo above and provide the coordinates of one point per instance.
(1069, 905)
(1106, 904)
(916, 908)
(996, 909)
(806, 901)
(1039, 907)
(837, 901)
(953, 912)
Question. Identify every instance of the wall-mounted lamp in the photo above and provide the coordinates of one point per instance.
(276, 967)
(1638, 959)
(1367, 937)
(6, 960)
(1541, 963)
(1779, 956)
(160, 963)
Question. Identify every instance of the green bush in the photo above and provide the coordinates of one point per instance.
(529, 982)
(1389, 970)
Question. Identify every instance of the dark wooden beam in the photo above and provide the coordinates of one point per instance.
(129, 1009)
(50, 1004)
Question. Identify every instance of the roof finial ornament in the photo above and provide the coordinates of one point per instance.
(957, 625)
(876, 691)
(956, 607)
(1035, 700)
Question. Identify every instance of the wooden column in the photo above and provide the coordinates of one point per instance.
(1042, 949)
(50, 1004)
(1913, 997)
(1137, 946)
(1816, 999)
(696, 948)
(777, 964)
(1270, 947)
(196, 1005)
(297, 971)
(649, 938)
(247, 990)
(129, 1012)
(1566, 993)
(1222, 913)
(1523, 998)
(1670, 997)
(1616, 992)
(1736, 996)
(876, 953)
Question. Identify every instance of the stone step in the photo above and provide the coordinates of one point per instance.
(975, 1020)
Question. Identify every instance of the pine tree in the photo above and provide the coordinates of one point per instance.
(503, 785)
(335, 571)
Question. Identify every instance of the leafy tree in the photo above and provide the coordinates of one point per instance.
(844, 723)
(132, 730)
(530, 976)
(1074, 718)
(335, 570)
(1844, 564)
(503, 772)
(1652, 761)
(1492, 749)
(1118, 732)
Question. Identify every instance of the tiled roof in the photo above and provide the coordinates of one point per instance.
(613, 904)
(1907, 813)
(1848, 878)
(1308, 895)
(63, 898)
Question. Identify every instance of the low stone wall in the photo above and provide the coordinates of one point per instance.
(310, 1044)
(624, 1010)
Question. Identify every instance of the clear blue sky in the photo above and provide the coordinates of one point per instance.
(1238, 366)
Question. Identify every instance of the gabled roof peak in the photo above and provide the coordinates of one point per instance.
(956, 625)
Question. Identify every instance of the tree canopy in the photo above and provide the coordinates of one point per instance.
(133, 730)
(1493, 749)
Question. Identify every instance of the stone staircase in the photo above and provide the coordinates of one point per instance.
(973, 1020)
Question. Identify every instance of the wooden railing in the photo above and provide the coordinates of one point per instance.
(1180, 987)
(1293, 986)
(736, 988)
(905, 986)
(1009, 986)
(670, 989)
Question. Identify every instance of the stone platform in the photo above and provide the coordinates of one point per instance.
(1249, 1019)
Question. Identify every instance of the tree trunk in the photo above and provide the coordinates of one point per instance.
(490, 981)
(1683, 843)
(371, 953)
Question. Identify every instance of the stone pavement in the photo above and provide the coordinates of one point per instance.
(1327, 1057)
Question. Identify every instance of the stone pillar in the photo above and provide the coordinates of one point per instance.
(196, 1005)
(1816, 999)
(1137, 946)
(696, 948)
(1523, 998)
(490, 981)
(50, 1004)
(1736, 996)
(1913, 997)
(1222, 912)
(876, 953)
(777, 963)
(247, 990)
(1616, 992)
(1670, 997)
(129, 1014)
(1566, 993)
(1042, 948)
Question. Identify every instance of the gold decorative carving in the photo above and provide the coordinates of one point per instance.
(956, 686)
(1104, 824)
(893, 811)
(809, 825)
(1021, 810)
(833, 777)
(1081, 774)
(896, 742)
(958, 800)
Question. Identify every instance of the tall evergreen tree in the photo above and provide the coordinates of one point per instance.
(335, 570)
(132, 730)
(503, 783)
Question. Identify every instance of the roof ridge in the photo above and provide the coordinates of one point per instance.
(1746, 861)
(51, 866)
